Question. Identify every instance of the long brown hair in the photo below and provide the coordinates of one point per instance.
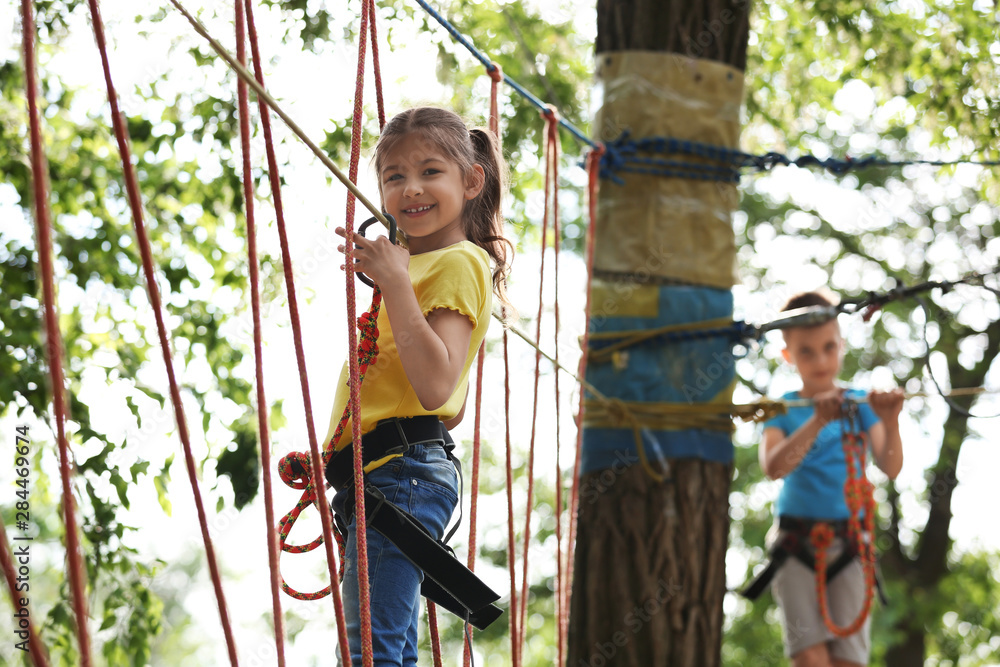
(482, 217)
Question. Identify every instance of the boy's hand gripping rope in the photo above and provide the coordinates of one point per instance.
(858, 493)
(295, 468)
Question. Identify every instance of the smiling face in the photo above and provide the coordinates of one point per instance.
(817, 353)
(426, 192)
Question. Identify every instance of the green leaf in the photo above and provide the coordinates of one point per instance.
(135, 411)
(137, 469)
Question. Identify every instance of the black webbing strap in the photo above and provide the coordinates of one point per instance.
(447, 582)
(793, 544)
(759, 584)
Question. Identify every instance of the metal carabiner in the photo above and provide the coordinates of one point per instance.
(392, 239)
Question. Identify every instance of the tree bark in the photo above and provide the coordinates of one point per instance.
(650, 557)
(650, 569)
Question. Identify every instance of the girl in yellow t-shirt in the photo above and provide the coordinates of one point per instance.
(443, 183)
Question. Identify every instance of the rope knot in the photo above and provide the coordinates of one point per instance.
(295, 469)
(618, 413)
(821, 537)
(495, 72)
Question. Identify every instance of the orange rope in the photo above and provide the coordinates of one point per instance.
(859, 494)
(53, 348)
(364, 353)
(522, 609)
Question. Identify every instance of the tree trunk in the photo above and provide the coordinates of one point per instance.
(650, 557)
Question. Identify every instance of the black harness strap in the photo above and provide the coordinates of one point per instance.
(795, 544)
(447, 582)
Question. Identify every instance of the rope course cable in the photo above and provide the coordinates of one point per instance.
(490, 66)
(552, 199)
(604, 345)
(620, 154)
(243, 13)
(522, 609)
(624, 154)
(306, 472)
(53, 338)
(515, 652)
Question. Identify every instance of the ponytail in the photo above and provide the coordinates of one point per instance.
(484, 214)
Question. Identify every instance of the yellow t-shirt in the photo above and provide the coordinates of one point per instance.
(457, 277)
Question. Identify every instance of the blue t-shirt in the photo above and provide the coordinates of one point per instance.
(815, 489)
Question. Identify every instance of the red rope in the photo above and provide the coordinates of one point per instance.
(355, 400)
(135, 203)
(593, 170)
(523, 609)
(265, 437)
(515, 652)
(303, 477)
(43, 226)
(36, 649)
(377, 71)
(859, 494)
(552, 197)
(494, 121)
(309, 496)
(362, 355)
(432, 621)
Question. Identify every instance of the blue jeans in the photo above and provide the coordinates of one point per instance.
(424, 483)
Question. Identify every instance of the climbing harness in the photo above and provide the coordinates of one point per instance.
(855, 531)
(448, 583)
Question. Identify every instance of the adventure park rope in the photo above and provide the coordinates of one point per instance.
(273, 554)
(858, 493)
(296, 468)
(53, 354)
(135, 205)
(265, 101)
(262, 410)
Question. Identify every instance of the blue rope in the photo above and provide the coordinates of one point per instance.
(622, 155)
(490, 67)
(737, 332)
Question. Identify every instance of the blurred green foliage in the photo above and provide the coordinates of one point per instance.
(935, 64)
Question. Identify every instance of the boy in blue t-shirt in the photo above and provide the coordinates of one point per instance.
(804, 447)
